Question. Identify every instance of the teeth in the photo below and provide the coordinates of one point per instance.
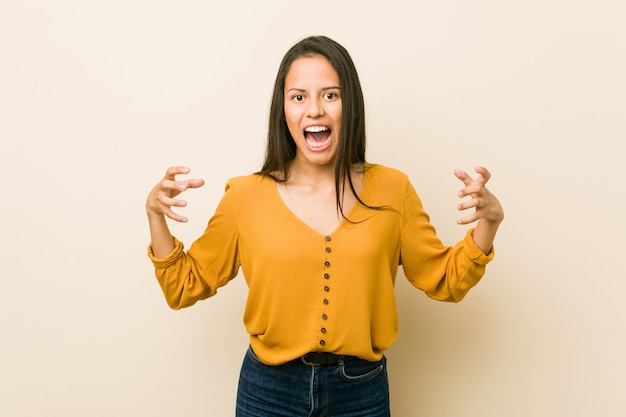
(319, 145)
(316, 129)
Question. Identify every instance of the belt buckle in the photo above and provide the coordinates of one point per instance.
(325, 358)
(304, 360)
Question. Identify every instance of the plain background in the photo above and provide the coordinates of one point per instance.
(98, 98)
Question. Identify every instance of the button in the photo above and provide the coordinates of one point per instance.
(323, 330)
(327, 238)
(325, 301)
(327, 288)
(328, 250)
(322, 342)
(326, 264)
(326, 276)
(324, 317)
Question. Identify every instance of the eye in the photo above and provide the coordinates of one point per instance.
(331, 96)
(298, 98)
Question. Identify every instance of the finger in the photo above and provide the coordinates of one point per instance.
(169, 188)
(483, 175)
(475, 215)
(176, 170)
(463, 176)
(168, 202)
(473, 203)
(166, 208)
(174, 216)
(191, 183)
(475, 190)
(174, 188)
(467, 220)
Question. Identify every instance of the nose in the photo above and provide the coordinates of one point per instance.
(315, 108)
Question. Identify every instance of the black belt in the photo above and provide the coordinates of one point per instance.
(324, 358)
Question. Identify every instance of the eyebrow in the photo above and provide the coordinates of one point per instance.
(304, 90)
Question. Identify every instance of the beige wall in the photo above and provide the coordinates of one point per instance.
(98, 98)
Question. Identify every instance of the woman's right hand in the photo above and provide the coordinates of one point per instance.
(162, 197)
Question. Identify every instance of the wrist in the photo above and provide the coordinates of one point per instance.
(154, 215)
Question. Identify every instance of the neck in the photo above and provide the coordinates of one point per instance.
(317, 174)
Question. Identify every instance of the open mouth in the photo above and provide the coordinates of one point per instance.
(318, 138)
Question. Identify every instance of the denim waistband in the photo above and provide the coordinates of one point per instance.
(324, 358)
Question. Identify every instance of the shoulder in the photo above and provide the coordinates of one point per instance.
(385, 186)
(250, 195)
(246, 187)
(384, 175)
(246, 190)
(247, 182)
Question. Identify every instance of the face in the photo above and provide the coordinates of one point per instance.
(313, 110)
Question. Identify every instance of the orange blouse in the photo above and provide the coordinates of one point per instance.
(310, 292)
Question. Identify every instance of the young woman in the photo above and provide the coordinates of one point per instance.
(319, 234)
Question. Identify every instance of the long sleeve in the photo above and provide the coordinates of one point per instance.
(444, 273)
(212, 260)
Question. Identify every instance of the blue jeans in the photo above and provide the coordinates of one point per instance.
(350, 388)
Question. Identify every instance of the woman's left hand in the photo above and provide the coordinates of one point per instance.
(486, 205)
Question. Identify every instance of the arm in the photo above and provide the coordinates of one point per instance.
(212, 260)
(444, 273)
(158, 206)
(488, 213)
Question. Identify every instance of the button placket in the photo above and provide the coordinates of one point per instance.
(326, 288)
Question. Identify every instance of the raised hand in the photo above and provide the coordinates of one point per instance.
(162, 197)
(486, 205)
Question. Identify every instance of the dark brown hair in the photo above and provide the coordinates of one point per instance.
(281, 148)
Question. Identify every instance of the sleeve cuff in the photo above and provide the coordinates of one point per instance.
(162, 263)
(473, 252)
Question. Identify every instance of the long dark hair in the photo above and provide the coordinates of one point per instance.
(281, 148)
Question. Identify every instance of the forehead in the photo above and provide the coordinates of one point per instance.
(310, 71)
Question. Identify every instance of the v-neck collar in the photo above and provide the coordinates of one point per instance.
(355, 208)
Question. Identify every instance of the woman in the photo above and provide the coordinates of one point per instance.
(319, 234)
